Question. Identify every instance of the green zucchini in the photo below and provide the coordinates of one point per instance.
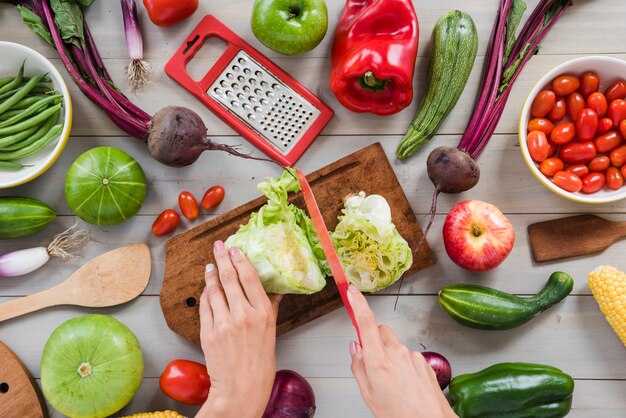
(23, 216)
(453, 44)
(484, 308)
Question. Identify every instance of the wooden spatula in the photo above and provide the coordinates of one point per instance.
(110, 279)
(573, 236)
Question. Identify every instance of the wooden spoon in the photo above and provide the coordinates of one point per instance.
(573, 236)
(110, 279)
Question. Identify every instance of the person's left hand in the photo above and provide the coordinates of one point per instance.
(238, 337)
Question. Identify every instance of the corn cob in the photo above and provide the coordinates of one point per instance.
(608, 286)
(158, 414)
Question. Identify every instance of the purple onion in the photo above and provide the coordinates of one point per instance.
(292, 397)
(441, 366)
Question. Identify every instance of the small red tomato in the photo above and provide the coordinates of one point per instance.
(558, 111)
(553, 148)
(538, 146)
(185, 381)
(166, 222)
(614, 179)
(587, 124)
(607, 142)
(212, 197)
(604, 125)
(188, 205)
(593, 182)
(540, 124)
(565, 84)
(568, 181)
(551, 166)
(575, 103)
(618, 156)
(563, 133)
(577, 152)
(599, 164)
(617, 111)
(579, 170)
(589, 84)
(622, 128)
(543, 103)
(598, 103)
(616, 90)
(623, 171)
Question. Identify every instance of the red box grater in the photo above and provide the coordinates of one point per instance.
(253, 95)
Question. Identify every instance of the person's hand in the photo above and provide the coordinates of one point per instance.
(238, 337)
(394, 381)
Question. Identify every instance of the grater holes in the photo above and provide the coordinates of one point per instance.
(242, 60)
(275, 86)
(253, 81)
(264, 84)
(246, 107)
(229, 94)
(251, 116)
(263, 102)
(236, 68)
(223, 83)
(234, 103)
(240, 96)
(241, 79)
(218, 90)
(258, 74)
(258, 91)
(235, 86)
(247, 71)
(269, 94)
(230, 76)
(246, 88)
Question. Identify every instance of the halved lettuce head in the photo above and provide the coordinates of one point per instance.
(373, 254)
(281, 243)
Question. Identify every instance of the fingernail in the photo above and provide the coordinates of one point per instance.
(209, 267)
(233, 251)
(219, 245)
(353, 289)
(352, 348)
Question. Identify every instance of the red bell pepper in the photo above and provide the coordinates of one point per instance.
(373, 55)
(169, 12)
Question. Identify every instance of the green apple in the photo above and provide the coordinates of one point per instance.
(289, 27)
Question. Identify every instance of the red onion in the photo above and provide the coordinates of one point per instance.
(441, 366)
(292, 397)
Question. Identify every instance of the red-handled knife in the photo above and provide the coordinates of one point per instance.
(327, 246)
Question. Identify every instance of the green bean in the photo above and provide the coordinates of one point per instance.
(10, 113)
(35, 136)
(6, 141)
(11, 165)
(34, 147)
(15, 82)
(9, 93)
(35, 120)
(32, 109)
(8, 103)
(25, 102)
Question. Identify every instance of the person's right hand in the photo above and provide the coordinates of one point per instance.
(394, 381)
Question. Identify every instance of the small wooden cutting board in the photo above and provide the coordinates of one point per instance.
(187, 254)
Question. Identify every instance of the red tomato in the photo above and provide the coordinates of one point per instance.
(623, 171)
(563, 133)
(575, 103)
(558, 111)
(212, 197)
(589, 84)
(540, 124)
(543, 103)
(553, 148)
(618, 156)
(616, 90)
(607, 142)
(185, 381)
(565, 84)
(169, 12)
(614, 178)
(538, 146)
(593, 182)
(577, 152)
(599, 164)
(188, 205)
(551, 166)
(567, 181)
(587, 124)
(598, 103)
(604, 125)
(579, 170)
(617, 111)
(622, 128)
(166, 222)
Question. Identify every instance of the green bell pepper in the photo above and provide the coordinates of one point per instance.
(513, 390)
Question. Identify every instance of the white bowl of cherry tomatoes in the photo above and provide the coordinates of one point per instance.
(572, 130)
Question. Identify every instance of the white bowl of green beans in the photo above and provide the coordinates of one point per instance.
(35, 114)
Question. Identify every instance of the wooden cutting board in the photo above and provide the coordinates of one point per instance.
(187, 254)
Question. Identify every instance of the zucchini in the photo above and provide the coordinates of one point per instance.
(453, 44)
(484, 308)
(23, 216)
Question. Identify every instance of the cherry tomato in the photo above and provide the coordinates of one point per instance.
(540, 124)
(587, 124)
(538, 146)
(579, 170)
(577, 152)
(166, 222)
(604, 125)
(568, 181)
(188, 205)
(212, 197)
(558, 111)
(563, 133)
(543, 103)
(607, 142)
(565, 84)
(575, 103)
(553, 148)
(185, 381)
(593, 182)
(616, 90)
(598, 103)
(617, 111)
(589, 84)
(618, 156)
(614, 178)
(623, 171)
(551, 166)
(622, 128)
(599, 164)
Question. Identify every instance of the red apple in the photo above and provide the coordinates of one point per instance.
(477, 236)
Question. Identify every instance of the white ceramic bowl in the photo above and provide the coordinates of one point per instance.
(12, 55)
(609, 69)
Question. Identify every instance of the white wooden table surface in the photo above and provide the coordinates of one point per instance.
(573, 335)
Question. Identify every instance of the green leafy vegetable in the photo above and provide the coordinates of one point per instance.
(35, 24)
(68, 17)
(512, 22)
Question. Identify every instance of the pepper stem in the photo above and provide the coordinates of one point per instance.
(371, 82)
